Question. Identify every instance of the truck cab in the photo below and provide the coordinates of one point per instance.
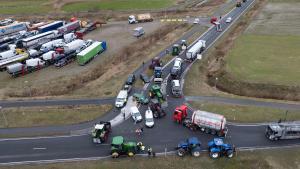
(285, 130)
(121, 99)
(176, 88)
(131, 19)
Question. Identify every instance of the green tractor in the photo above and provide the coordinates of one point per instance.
(119, 147)
(155, 91)
(100, 132)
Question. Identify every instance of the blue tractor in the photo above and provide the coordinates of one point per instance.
(158, 74)
(218, 148)
(191, 145)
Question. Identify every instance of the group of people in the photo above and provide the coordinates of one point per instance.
(139, 131)
(149, 150)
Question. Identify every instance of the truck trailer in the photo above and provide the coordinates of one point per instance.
(70, 27)
(140, 18)
(197, 48)
(11, 60)
(37, 40)
(13, 28)
(90, 52)
(51, 26)
(283, 130)
(30, 65)
(72, 46)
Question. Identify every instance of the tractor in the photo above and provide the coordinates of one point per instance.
(156, 92)
(119, 147)
(176, 49)
(238, 3)
(191, 145)
(180, 113)
(155, 62)
(217, 148)
(101, 131)
(156, 108)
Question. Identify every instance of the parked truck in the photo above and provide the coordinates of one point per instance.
(71, 47)
(29, 66)
(17, 58)
(283, 130)
(50, 45)
(51, 26)
(140, 18)
(37, 40)
(70, 27)
(8, 54)
(197, 48)
(90, 52)
(13, 28)
(205, 121)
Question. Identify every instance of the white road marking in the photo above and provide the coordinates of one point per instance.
(39, 148)
(36, 138)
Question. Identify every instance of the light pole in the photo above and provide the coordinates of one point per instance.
(216, 81)
(5, 120)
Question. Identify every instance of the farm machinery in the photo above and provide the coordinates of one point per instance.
(191, 145)
(100, 132)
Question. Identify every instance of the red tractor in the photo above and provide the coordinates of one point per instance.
(155, 62)
(180, 113)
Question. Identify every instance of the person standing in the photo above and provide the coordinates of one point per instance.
(149, 151)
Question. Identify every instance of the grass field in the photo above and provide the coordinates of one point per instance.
(248, 114)
(24, 6)
(266, 59)
(117, 5)
(44, 116)
(262, 159)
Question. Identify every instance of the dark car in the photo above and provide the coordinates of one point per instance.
(130, 80)
(61, 63)
(144, 78)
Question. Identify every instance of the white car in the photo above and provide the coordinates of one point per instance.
(196, 21)
(135, 114)
(149, 121)
(228, 20)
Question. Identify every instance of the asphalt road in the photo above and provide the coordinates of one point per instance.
(163, 137)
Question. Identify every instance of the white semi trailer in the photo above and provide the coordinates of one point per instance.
(283, 130)
(207, 122)
(197, 48)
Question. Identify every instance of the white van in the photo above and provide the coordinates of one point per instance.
(176, 88)
(139, 31)
(135, 114)
(121, 99)
(149, 121)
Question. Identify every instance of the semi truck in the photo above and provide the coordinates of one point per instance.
(90, 52)
(140, 18)
(8, 54)
(70, 27)
(71, 47)
(283, 130)
(50, 45)
(11, 60)
(37, 40)
(29, 66)
(207, 122)
(13, 28)
(197, 48)
(51, 26)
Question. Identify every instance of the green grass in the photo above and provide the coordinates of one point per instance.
(24, 6)
(117, 5)
(251, 114)
(44, 116)
(266, 59)
(260, 159)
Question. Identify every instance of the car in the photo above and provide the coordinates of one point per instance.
(130, 80)
(121, 99)
(149, 121)
(176, 69)
(61, 63)
(144, 78)
(140, 98)
(196, 21)
(135, 114)
(228, 20)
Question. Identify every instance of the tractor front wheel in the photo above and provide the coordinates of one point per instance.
(214, 155)
(115, 155)
(130, 154)
(229, 153)
(181, 152)
(196, 153)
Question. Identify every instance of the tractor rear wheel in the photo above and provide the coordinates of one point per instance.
(181, 152)
(214, 155)
(115, 155)
(196, 153)
(130, 154)
(229, 153)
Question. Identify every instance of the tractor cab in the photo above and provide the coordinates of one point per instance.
(176, 50)
(180, 113)
(155, 91)
(101, 131)
(119, 147)
(156, 108)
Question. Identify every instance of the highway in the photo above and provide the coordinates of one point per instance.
(163, 137)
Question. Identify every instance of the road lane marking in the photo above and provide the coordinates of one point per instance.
(39, 148)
